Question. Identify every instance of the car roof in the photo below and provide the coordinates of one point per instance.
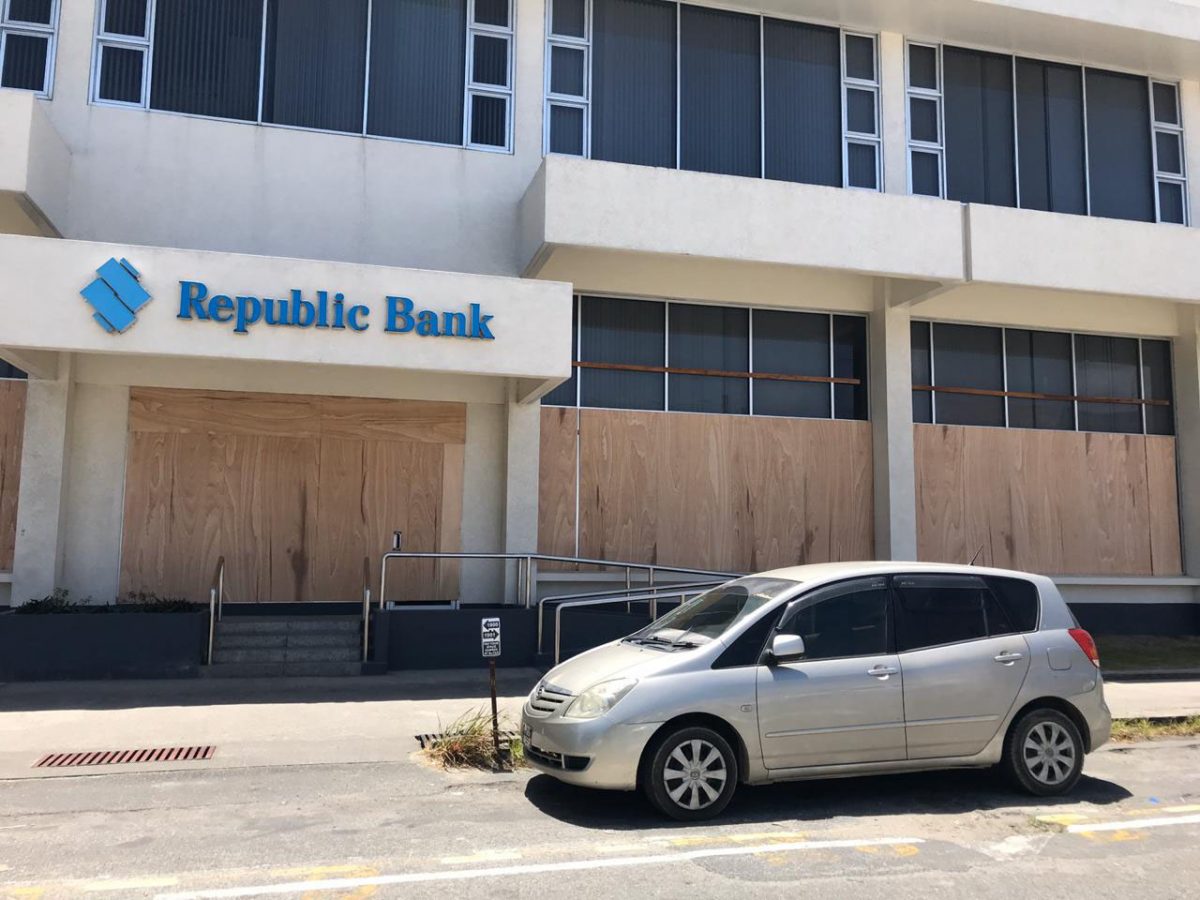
(817, 572)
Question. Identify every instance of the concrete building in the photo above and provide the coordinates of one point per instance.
(714, 286)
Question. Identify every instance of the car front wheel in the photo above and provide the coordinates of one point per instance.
(691, 774)
(1044, 753)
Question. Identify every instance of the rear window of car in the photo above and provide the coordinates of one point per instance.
(1019, 599)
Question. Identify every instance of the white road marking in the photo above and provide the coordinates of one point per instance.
(1016, 845)
(1135, 823)
(335, 884)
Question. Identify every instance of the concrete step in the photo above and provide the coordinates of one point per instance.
(244, 640)
(322, 669)
(324, 639)
(242, 670)
(322, 654)
(250, 655)
(288, 624)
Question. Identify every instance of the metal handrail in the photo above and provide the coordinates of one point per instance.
(525, 578)
(216, 598)
(366, 608)
(616, 596)
(653, 598)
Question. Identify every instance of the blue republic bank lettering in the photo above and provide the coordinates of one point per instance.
(328, 311)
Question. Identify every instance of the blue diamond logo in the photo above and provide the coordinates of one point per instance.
(116, 295)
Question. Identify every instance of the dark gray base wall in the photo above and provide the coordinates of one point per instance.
(92, 646)
(1139, 618)
(449, 638)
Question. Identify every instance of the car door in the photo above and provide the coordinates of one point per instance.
(843, 701)
(963, 666)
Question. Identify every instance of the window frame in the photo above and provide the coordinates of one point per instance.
(100, 39)
(796, 604)
(10, 26)
(579, 366)
(1075, 398)
(935, 95)
(849, 138)
(1177, 130)
(1153, 125)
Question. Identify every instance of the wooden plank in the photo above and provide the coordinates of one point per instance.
(1162, 483)
(449, 527)
(619, 452)
(393, 420)
(147, 515)
(1057, 502)
(404, 491)
(557, 481)
(12, 433)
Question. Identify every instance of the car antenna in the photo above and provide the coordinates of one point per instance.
(976, 556)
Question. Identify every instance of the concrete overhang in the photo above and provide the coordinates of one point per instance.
(602, 206)
(44, 314)
(34, 168)
(1157, 36)
(1027, 248)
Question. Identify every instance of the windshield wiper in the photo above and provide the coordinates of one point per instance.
(663, 642)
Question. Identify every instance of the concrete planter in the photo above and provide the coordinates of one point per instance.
(98, 645)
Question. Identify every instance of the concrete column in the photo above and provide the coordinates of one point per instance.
(95, 491)
(1187, 424)
(892, 429)
(521, 483)
(892, 104)
(1189, 107)
(37, 558)
(483, 501)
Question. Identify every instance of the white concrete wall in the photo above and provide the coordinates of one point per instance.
(483, 502)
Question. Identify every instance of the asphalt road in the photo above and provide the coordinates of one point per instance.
(406, 830)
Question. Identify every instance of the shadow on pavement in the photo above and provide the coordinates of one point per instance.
(926, 793)
(469, 684)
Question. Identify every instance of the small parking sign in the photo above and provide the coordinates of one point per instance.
(489, 635)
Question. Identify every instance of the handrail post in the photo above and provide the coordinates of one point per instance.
(221, 591)
(558, 634)
(529, 582)
(212, 623)
(366, 608)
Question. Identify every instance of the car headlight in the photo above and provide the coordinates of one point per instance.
(599, 698)
(533, 694)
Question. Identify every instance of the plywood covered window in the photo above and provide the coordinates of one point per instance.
(1021, 378)
(686, 357)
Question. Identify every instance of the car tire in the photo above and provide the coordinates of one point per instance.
(1043, 754)
(691, 774)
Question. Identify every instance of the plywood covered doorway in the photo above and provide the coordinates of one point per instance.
(293, 490)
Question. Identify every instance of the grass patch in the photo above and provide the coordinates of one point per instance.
(1130, 652)
(466, 743)
(1148, 729)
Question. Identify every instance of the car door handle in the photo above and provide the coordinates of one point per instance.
(882, 671)
(1009, 658)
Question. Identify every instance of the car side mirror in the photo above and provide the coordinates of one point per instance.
(785, 648)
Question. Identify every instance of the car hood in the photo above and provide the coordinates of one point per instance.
(615, 660)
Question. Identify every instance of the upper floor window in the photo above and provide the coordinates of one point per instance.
(27, 39)
(1020, 378)
(435, 71)
(1009, 131)
(685, 357)
(658, 83)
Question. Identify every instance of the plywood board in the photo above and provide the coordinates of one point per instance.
(557, 481)
(1055, 502)
(734, 493)
(294, 507)
(12, 431)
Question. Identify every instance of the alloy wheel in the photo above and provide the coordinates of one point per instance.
(695, 774)
(1049, 753)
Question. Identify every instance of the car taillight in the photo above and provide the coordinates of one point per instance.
(1086, 644)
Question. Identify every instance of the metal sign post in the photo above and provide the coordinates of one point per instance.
(489, 636)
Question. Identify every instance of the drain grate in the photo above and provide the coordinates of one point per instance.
(124, 757)
(428, 740)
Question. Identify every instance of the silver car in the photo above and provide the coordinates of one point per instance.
(824, 671)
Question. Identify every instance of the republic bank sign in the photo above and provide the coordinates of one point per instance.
(117, 295)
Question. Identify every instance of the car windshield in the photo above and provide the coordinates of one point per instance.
(707, 617)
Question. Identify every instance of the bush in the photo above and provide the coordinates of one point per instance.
(467, 743)
(60, 602)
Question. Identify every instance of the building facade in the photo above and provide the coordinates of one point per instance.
(717, 286)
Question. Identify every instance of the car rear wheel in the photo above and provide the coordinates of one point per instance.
(691, 774)
(1044, 753)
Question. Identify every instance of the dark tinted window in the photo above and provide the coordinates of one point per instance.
(25, 62)
(1039, 362)
(418, 55)
(922, 374)
(567, 394)
(850, 361)
(747, 649)
(802, 102)
(628, 332)
(207, 57)
(940, 609)
(791, 343)
(1050, 128)
(1156, 385)
(120, 74)
(714, 338)
(968, 356)
(719, 105)
(127, 17)
(1107, 368)
(38, 11)
(316, 64)
(633, 81)
(1120, 160)
(980, 152)
(843, 621)
(1019, 600)
(569, 17)
(8, 370)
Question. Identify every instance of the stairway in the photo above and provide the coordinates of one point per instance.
(266, 646)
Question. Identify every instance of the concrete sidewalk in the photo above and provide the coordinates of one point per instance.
(263, 722)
